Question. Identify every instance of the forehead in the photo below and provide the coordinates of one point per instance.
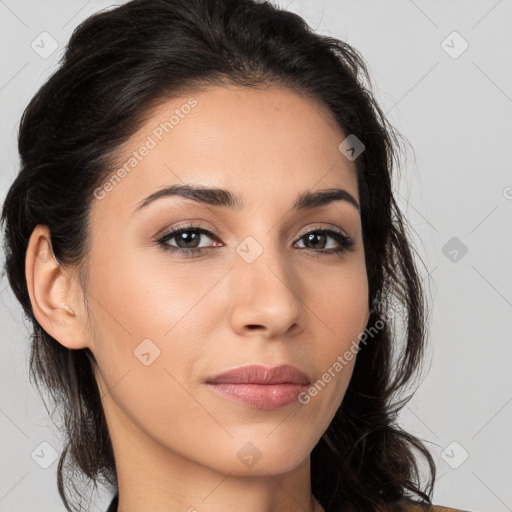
(271, 141)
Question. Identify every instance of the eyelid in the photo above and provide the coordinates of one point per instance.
(189, 225)
(200, 227)
(212, 233)
(320, 228)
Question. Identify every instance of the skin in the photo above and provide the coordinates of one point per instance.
(175, 441)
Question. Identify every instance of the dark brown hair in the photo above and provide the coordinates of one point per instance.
(121, 63)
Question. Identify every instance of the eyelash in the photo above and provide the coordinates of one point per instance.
(346, 243)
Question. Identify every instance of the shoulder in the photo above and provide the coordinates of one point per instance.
(438, 508)
(412, 506)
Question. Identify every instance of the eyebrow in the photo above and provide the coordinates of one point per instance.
(221, 197)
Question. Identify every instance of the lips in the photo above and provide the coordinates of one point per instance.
(260, 374)
(260, 387)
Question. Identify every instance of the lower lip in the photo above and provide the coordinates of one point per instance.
(260, 396)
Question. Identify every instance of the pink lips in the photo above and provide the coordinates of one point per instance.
(260, 387)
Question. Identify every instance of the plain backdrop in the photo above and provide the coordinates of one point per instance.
(442, 74)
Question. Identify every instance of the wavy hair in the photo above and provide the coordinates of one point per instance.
(118, 66)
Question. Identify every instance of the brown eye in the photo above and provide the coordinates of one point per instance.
(318, 239)
(187, 240)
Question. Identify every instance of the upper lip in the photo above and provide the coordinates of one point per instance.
(261, 374)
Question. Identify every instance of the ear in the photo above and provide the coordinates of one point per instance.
(54, 293)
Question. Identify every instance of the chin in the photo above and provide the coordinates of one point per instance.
(259, 456)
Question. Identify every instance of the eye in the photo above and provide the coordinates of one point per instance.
(320, 237)
(187, 239)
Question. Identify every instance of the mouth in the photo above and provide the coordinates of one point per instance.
(260, 387)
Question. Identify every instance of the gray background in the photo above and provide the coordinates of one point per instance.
(455, 189)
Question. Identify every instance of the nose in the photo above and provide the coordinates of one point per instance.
(266, 297)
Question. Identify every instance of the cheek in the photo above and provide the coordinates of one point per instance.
(151, 323)
(340, 301)
(341, 314)
(141, 297)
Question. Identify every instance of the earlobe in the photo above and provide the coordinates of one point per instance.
(51, 290)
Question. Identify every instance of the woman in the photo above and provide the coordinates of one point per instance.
(204, 237)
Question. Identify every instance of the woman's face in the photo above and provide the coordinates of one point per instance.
(259, 283)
